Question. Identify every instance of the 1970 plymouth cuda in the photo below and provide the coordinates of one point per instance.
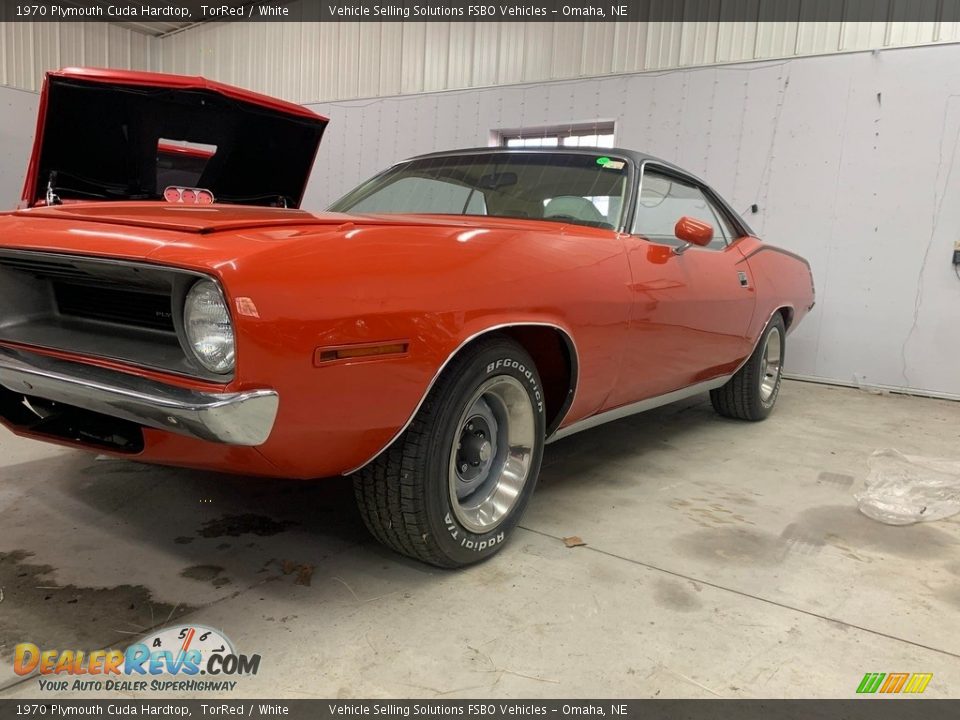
(162, 298)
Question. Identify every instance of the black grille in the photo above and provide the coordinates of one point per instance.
(63, 269)
(126, 307)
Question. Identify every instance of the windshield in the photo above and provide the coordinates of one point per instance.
(579, 188)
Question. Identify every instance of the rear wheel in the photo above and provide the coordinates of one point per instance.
(453, 487)
(753, 391)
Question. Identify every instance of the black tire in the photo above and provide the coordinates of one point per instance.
(742, 397)
(405, 494)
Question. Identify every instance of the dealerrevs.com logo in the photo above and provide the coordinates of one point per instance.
(182, 658)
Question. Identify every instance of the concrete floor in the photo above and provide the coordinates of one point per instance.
(724, 559)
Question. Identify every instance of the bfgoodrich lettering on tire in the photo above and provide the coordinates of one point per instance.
(453, 487)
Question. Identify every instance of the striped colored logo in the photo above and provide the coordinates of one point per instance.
(889, 683)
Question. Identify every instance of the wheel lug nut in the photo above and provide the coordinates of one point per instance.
(463, 468)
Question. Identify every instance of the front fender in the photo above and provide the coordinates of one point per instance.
(422, 288)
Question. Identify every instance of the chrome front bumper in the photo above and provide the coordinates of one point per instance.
(244, 418)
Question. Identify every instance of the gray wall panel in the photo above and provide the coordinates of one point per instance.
(18, 112)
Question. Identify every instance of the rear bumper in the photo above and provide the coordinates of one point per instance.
(244, 418)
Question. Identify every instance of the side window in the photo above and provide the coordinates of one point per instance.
(424, 195)
(729, 231)
(664, 200)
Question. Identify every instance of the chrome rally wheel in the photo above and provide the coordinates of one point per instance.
(491, 458)
(453, 487)
(771, 366)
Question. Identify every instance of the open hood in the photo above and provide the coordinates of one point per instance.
(120, 135)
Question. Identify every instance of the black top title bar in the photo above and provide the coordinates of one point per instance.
(192, 11)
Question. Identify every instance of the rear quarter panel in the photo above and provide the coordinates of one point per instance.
(781, 279)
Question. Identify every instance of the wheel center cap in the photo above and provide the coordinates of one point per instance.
(475, 449)
(485, 450)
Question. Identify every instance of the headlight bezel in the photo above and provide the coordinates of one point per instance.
(226, 367)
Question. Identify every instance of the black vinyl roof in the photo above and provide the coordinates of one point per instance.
(632, 155)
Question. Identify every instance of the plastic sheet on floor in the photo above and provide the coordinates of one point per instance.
(905, 489)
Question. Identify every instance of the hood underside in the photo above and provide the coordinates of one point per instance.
(106, 135)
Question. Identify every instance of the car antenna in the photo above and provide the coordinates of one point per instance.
(754, 209)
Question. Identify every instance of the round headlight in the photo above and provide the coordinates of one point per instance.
(206, 322)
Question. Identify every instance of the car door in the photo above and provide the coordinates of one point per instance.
(692, 305)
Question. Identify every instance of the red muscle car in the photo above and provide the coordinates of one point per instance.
(428, 335)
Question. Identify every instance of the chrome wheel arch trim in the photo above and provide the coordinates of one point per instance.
(565, 408)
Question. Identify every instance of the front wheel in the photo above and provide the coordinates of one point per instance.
(752, 392)
(454, 486)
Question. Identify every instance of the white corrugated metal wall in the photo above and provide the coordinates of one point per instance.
(28, 50)
(313, 62)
